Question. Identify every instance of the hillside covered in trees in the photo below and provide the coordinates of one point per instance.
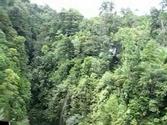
(60, 68)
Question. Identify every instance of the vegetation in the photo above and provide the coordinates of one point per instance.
(64, 69)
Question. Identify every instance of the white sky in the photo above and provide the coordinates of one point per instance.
(90, 8)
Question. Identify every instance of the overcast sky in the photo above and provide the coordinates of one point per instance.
(90, 8)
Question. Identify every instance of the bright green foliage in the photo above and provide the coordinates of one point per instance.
(14, 86)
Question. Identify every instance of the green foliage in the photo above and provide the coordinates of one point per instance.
(60, 68)
(69, 21)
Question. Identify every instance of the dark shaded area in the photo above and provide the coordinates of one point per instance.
(4, 123)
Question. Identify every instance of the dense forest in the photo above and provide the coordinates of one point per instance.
(60, 68)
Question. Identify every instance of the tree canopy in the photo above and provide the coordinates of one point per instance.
(60, 68)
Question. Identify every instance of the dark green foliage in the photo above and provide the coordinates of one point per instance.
(69, 22)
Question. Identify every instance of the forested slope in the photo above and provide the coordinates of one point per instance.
(59, 68)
